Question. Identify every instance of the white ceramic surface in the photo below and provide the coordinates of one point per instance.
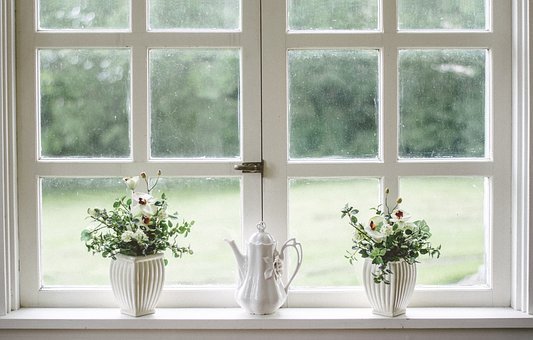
(260, 288)
(390, 299)
(137, 282)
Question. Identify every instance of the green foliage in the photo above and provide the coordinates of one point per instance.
(194, 107)
(334, 103)
(442, 104)
(388, 237)
(136, 226)
(84, 102)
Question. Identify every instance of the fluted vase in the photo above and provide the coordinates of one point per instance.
(137, 282)
(390, 299)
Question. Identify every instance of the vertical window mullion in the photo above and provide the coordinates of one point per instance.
(389, 108)
(140, 122)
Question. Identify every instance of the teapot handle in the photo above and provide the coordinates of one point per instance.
(299, 252)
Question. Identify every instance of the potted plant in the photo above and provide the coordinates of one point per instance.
(134, 234)
(390, 244)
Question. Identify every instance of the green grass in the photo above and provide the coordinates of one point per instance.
(453, 207)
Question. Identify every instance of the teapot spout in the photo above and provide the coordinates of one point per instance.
(241, 259)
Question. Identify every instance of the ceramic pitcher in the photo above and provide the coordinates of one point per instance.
(260, 289)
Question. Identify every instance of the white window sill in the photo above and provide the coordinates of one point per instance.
(284, 319)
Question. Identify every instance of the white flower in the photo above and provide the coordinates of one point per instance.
(131, 182)
(377, 228)
(143, 204)
(140, 236)
(408, 226)
(127, 236)
(274, 266)
(399, 216)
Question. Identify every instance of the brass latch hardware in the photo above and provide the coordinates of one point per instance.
(250, 167)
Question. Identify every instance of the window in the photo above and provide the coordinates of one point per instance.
(339, 98)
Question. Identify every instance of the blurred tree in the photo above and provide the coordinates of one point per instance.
(442, 103)
(195, 102)
(333, 103)
(85, 102)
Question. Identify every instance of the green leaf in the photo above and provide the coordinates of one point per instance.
(86, 235)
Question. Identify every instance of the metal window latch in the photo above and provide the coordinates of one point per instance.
(250, 167)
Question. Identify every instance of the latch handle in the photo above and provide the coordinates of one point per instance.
(250, 167)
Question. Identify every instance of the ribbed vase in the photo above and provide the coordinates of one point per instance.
(137, 282)
(390, 299)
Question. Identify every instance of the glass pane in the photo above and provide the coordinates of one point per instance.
(453, 207)
(64, 209)
(63, 216)
(333, 103)
(442, 103)
(84, 14)
(333, 14)
(195, 103)
(314, 220)
(85, 102)
(187, 14)
(439, 14)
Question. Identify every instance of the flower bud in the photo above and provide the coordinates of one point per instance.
(387, 191)
(399, 200)
(159, 172)
(143, 175)
(131, 182)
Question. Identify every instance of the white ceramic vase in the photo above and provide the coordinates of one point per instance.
(137, 282)
(390, 299)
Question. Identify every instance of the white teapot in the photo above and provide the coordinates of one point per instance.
(260, 289)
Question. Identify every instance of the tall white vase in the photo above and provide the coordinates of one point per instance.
(137, 282)
(390, 299)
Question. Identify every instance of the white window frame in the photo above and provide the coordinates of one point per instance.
(521, 287)
(496, 166)
(139, 39)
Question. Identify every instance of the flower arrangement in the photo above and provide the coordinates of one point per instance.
(136, 226)
(388, 236)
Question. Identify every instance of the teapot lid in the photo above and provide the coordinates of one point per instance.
(261, 236)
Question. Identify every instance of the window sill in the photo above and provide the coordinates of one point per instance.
(284, 319)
